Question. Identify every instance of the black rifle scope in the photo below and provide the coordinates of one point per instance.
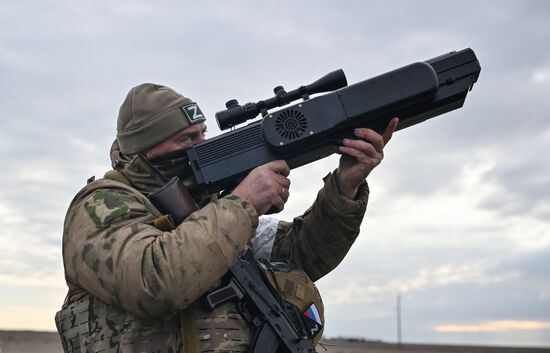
(236, 114)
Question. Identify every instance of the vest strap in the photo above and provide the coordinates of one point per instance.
(189, 334)
(165, 223)
(117, 176)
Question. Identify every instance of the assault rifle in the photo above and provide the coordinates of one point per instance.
(258, 305)
(313, 129)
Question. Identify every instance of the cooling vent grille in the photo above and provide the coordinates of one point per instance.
(291, 124)
(219, 148)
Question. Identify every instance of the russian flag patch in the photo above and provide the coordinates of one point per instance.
(312, 319)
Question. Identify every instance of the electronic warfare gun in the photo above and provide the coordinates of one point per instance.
(313, 129)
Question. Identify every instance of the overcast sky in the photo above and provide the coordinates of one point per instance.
(458, 222)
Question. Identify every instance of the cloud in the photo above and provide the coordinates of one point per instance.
(541, 75)
(19, 317)
(30, 243)
(494, 326)
(41, 172)
(358, 290)
(43, 282)
(459, 208)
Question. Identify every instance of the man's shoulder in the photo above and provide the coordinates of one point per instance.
(104, 200)
(105, 189)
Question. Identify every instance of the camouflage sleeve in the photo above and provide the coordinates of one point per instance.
(112, 250)
(318, 240)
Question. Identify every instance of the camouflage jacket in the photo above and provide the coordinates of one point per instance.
(134, 287)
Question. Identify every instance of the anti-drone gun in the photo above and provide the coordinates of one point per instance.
(313, 128)
(300, 134)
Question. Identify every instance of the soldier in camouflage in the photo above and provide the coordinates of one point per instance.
(135, 279)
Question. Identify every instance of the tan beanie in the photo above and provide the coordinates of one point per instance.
(150, 114)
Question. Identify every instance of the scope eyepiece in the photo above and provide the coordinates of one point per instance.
(230, 117)
(231, 103)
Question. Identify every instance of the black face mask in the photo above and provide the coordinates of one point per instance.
(171, 164)
(176, 163)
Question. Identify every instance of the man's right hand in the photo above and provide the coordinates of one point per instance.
(265, 186)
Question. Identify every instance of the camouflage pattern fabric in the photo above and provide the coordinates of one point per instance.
(223, 330)
(297, 292)
(113, 251)
(318, 241)
(89, 325)
(136, 282)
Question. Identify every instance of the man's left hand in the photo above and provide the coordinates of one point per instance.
(360, 156)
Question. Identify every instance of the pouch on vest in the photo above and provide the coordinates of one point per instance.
(300, 297)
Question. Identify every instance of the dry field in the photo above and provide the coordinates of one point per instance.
(48, 342)
(359, 346)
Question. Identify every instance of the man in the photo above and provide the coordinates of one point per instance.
(136, 279)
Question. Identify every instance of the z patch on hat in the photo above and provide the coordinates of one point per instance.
(192, 113)
(313, 321)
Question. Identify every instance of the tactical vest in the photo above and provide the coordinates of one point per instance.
(90, 325)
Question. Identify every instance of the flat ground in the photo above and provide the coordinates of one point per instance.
(48, 342)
